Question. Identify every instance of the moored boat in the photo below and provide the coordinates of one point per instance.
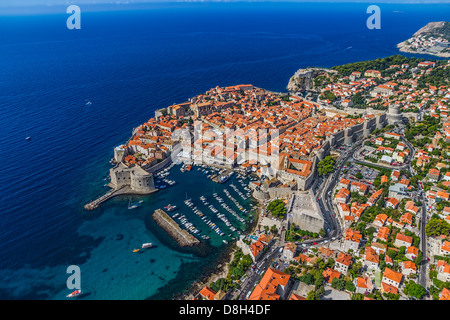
(170, 208)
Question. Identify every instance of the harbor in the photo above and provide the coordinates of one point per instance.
(218, 217)
(216, 214)
(191, 216)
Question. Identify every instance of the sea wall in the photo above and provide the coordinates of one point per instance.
(181, 236)
(352, 134)
(173, 155)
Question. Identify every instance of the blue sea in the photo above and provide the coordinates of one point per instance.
(129, 61)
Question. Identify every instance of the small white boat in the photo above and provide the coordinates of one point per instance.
(74, 294)
(133, 205)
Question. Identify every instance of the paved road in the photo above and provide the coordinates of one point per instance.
(253, 275)
(422, 275)
(423, 244)
(325, 196)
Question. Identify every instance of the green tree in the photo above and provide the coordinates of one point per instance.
(418, 258)
(277, 208)
(350, 286)
(437, 227)
(338, 284)
(414, 289)
(318, 281)
(311, 295)
(358, 100)
(319, 292)
(328, 95)
(391, 254)
(357, 296)
(326, 166)
(237, 272)
(307, 279)
(322, 233)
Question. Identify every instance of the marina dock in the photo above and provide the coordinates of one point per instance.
(223, 177)
(124, 190)
(180, 235)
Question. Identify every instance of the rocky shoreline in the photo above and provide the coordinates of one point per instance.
(221, 271)
(303, 79)
(437, 29)
(404, 48)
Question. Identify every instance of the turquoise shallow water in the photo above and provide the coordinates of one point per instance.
(113, 271)
(128, 64)
(109, 268)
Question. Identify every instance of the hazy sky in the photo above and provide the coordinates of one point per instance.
(67, 2)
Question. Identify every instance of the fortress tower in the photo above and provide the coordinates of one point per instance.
(120, 153)
(380, 120)
(136, 178)
(332, 140)
(394, 115)
(348, 137)
(366, 129)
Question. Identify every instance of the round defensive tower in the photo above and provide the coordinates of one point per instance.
(394, 115)
(141, 181)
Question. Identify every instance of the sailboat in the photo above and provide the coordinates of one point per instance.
(133, 205)
(27, 137)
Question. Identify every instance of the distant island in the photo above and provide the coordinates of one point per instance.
(434, 39)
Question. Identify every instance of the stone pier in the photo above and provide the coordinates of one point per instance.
(183, 237)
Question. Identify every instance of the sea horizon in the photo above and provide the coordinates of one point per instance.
(129, 63)
(24, 9)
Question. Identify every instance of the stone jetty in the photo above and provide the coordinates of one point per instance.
(183, 237)
(97, 202)
(121, 191)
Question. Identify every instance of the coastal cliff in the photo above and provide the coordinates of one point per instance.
(308, 79)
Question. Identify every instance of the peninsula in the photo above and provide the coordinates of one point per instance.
(433, 39)
(350, 169)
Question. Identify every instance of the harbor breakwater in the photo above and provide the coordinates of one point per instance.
(182, 237)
